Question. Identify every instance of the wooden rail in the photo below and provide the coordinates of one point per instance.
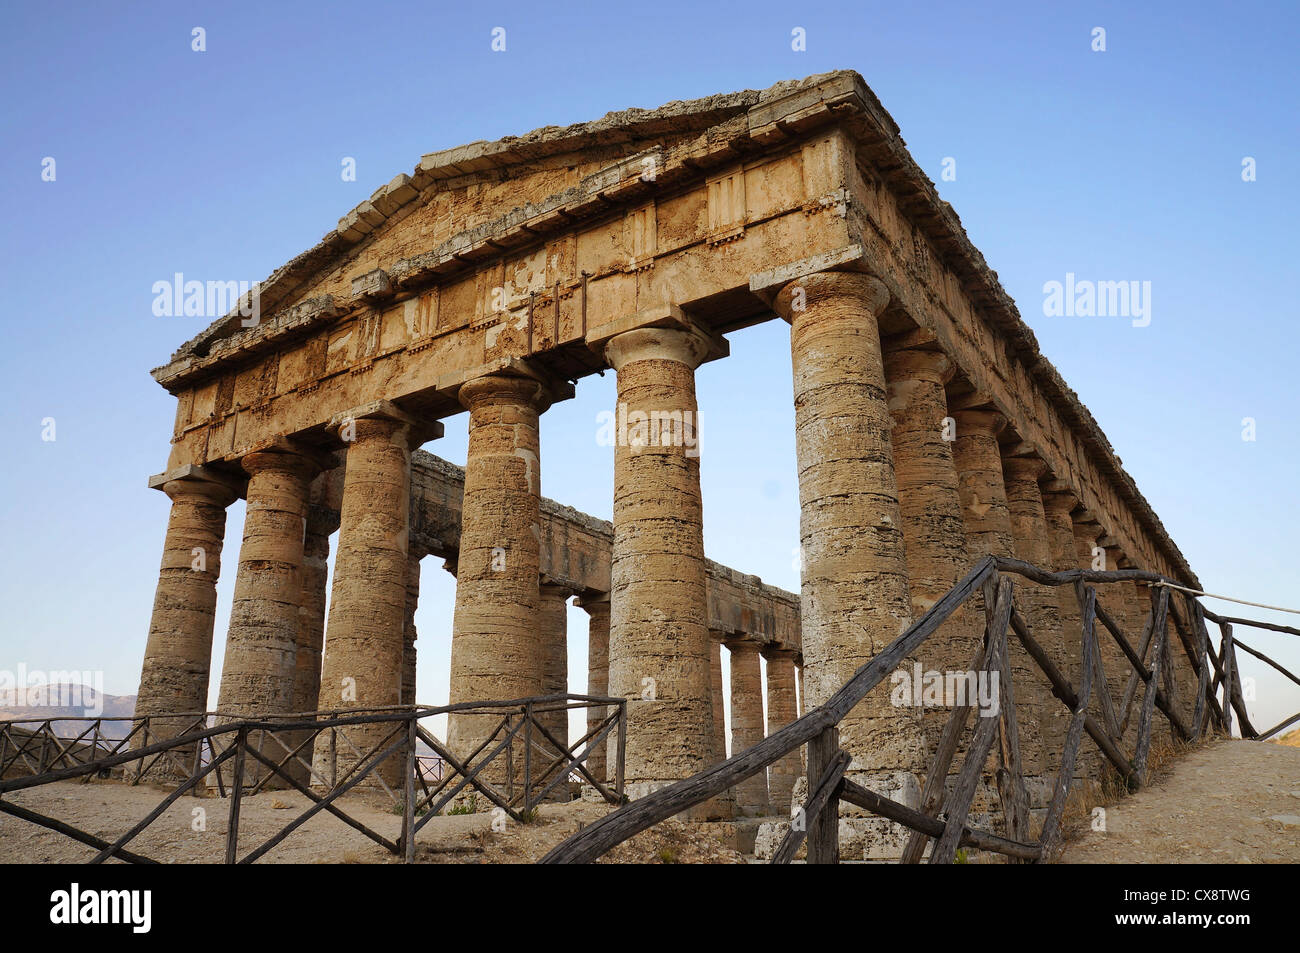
(236, 754)
(941, 821)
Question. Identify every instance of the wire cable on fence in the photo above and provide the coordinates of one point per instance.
(1210, 595)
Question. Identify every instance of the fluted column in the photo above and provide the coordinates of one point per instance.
(178, 654)
(658, 639)
(747, 723)
(781, 711)
(987, 518)
(552, 630)
(495, 648)
(929, 501)
(364, 638)
(260, 669)
(853, 593)
(597, 609)
(1039, 605)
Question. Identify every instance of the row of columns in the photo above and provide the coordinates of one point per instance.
(892, 510)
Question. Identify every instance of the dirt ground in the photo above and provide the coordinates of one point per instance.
(1228, 802)
(193, 830)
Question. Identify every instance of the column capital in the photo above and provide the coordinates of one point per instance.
(385, 416)
(646, 335)
(516, 380)
(775, 651)
(192, 481)
(1057, 502)
(548, 585)
(742, 643)
(918, 364)
(689, 346)
(870, 293)
(989, 422)
(288, 456)
(1023, 469)
(595, 600)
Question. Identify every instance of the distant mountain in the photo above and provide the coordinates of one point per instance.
(91, 705)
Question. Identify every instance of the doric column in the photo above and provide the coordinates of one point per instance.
(781, 712)
(1086, 534)
(747, 723)
(362, 667)
(311, 612)
(1119, 598)
(322, 520)
(853, 593)
(978, 458)
(658, 638)
(178, 654)
(495, 649)
(1039, 606)
(260, 669)
(409, 633)
(553, 635)
(1057, 504)
(716, 687)
(597, 609)
(929, 501)
(987, 517)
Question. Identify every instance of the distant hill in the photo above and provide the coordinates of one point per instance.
(1292, 740)
(109, 706)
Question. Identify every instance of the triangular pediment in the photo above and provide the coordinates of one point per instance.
(454, 195)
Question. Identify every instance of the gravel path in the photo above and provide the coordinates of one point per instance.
(1229, 802)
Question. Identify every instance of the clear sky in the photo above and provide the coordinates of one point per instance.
(222, 164)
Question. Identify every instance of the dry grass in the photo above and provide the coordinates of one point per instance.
(1110, 787)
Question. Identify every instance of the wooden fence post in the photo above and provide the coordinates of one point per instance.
(236, 793)
(824, 828)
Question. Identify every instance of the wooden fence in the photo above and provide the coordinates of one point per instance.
(520, 765)
(941, 820)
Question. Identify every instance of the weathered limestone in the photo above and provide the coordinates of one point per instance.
(311, 612)
(1119, 598)
(321, 522)
(747, 723)
(1039, 605)
(259, 673)
(1058, 503)
(930, 505)
(658, 639)
(987, 518)
(1091, 556)
(409, 633)
(854, 597)
(597, 609)
(362, 667)
(781, 711)
(552, 631)
(716, 640)
(496, 269)
(174, 677)
(495, 647)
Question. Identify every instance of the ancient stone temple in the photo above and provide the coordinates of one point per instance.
(490, 282)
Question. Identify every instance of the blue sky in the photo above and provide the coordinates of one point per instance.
(222, 164)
